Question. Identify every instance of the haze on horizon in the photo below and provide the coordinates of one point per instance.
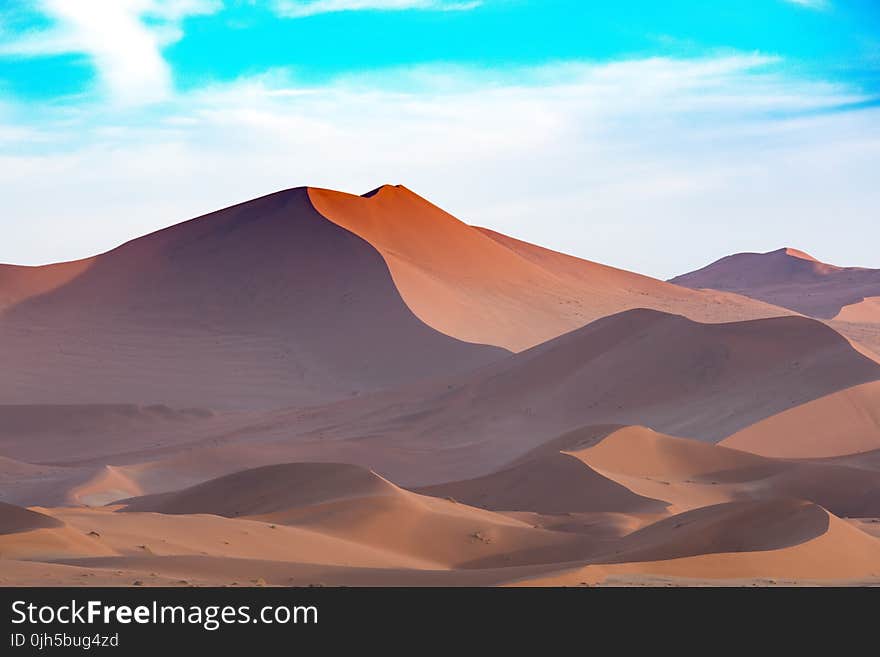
(652, 137)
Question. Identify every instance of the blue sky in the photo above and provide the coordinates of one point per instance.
(654, 136)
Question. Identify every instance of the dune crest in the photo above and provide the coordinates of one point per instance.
(788, 278)
(479, 286)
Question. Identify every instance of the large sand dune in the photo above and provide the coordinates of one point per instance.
(263, 304)
(321, 388)
(483, 287)
(702, 381)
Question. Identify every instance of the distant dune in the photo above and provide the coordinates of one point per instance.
(788, 278)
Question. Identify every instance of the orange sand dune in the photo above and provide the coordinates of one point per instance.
(643, 367)
(787, 278)
(332, 523)
(865, 337)
(704, 381)
(547, 483)
(483, 287)
(688, 474)
(203, 570)
(844, 422)
(99, 532)
(18, 284)
(750, 526)
(356, 505)
(642, 452)
(685, 474)
(14, 519)
(251, 382)
(866, 311)
(268, 489)
(263, 304)
(798, 542)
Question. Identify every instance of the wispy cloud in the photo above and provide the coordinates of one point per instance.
(303, 8)
(578, 156)
(812, 4)
(122, 38)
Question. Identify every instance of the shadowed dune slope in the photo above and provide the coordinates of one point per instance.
(688, 474)
(549, 480)
(780, 539)
(261, 304)
(15, 519)
(483, 287)
(268, 489)
(746, 526)
(844, 422)
(358, 506)
(787, 278)
(703, 381)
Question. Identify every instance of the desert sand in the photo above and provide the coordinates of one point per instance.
(315, 387)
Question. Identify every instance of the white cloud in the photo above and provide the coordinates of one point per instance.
(812, 4)
(656, 165)
(303, 8)
(123, 45)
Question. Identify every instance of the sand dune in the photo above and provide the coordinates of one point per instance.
(268, 489)
(866, 311)
(547, 481)
(751, 526)
(671, 373)
(483, 287)
(262, 304)
(704, 381)
(356, 505)
(315, 387)
(14, 519)
(844, 422)
(18, 284)
(687, 474)
(788, 278)
(805, 544)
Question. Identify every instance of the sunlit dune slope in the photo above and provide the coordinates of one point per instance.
(844, 422)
